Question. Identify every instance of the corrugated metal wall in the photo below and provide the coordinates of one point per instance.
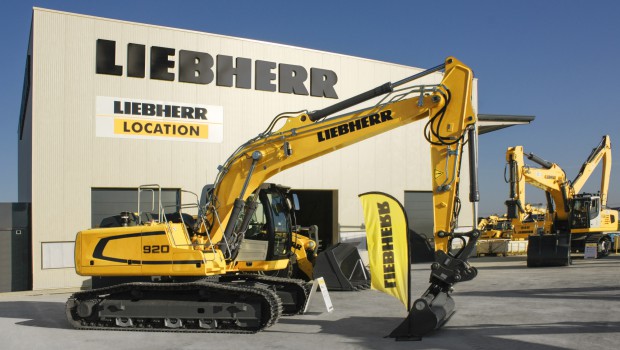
(68, 160)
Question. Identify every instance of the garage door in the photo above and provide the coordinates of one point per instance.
(108, 203)
(319, 207)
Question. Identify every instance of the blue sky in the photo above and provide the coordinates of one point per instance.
(552, 59)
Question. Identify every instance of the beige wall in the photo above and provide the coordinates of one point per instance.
(68, 160)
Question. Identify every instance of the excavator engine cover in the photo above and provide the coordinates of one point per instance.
(342, 268)
(549, 250)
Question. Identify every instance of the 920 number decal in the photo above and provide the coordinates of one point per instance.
(155, 249)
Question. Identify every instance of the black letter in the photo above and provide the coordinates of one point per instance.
(135, 60)
(322, 83)
(117, 107)
(160, 63)
(374, 119)
(187, 112)
(225, 72)
(384, 208)
(201, 113)
(291, 79)
(264, 76)
(195, 67)
(106, 58)
(386, 115)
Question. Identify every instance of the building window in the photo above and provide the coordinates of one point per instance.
(57, 255)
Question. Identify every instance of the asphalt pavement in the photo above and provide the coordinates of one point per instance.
(508, 306)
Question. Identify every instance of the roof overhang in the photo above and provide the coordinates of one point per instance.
(492, 122)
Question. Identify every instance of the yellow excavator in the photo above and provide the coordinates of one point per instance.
(533, 220)
(211, 275)
(494, 227)
(577, 218)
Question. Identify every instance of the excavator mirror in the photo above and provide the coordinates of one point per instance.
(295, 204)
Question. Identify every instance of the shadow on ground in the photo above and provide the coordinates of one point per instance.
(36, 313)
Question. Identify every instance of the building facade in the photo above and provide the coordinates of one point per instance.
(111, 105)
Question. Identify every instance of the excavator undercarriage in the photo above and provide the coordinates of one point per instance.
(232, 304)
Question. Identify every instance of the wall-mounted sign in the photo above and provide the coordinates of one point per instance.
(158, 120)
(185, 66)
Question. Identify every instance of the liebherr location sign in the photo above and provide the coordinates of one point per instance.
(157, 120)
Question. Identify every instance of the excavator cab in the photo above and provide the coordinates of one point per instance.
(272, 221)
(585, 211)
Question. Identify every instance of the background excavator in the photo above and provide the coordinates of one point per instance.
(202, 277)
(494, 227)
(535, 219)
(577, 218)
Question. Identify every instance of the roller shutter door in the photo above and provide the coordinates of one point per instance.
(109, 202)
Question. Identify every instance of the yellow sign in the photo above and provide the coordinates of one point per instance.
(388, 245)
(156, 128)
(438, 173)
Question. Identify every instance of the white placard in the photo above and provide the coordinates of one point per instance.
(320, 282)
(590, 251)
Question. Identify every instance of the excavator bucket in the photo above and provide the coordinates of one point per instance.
(549, 250)
(428, 313)
(342, 268)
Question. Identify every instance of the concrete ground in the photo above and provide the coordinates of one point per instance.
(508, 306)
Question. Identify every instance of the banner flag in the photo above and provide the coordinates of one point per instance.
(387, 236)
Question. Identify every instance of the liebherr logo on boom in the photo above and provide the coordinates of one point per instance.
(355, 125)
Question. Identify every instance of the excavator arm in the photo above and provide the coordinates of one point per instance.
(308, 135)
(601, 152)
